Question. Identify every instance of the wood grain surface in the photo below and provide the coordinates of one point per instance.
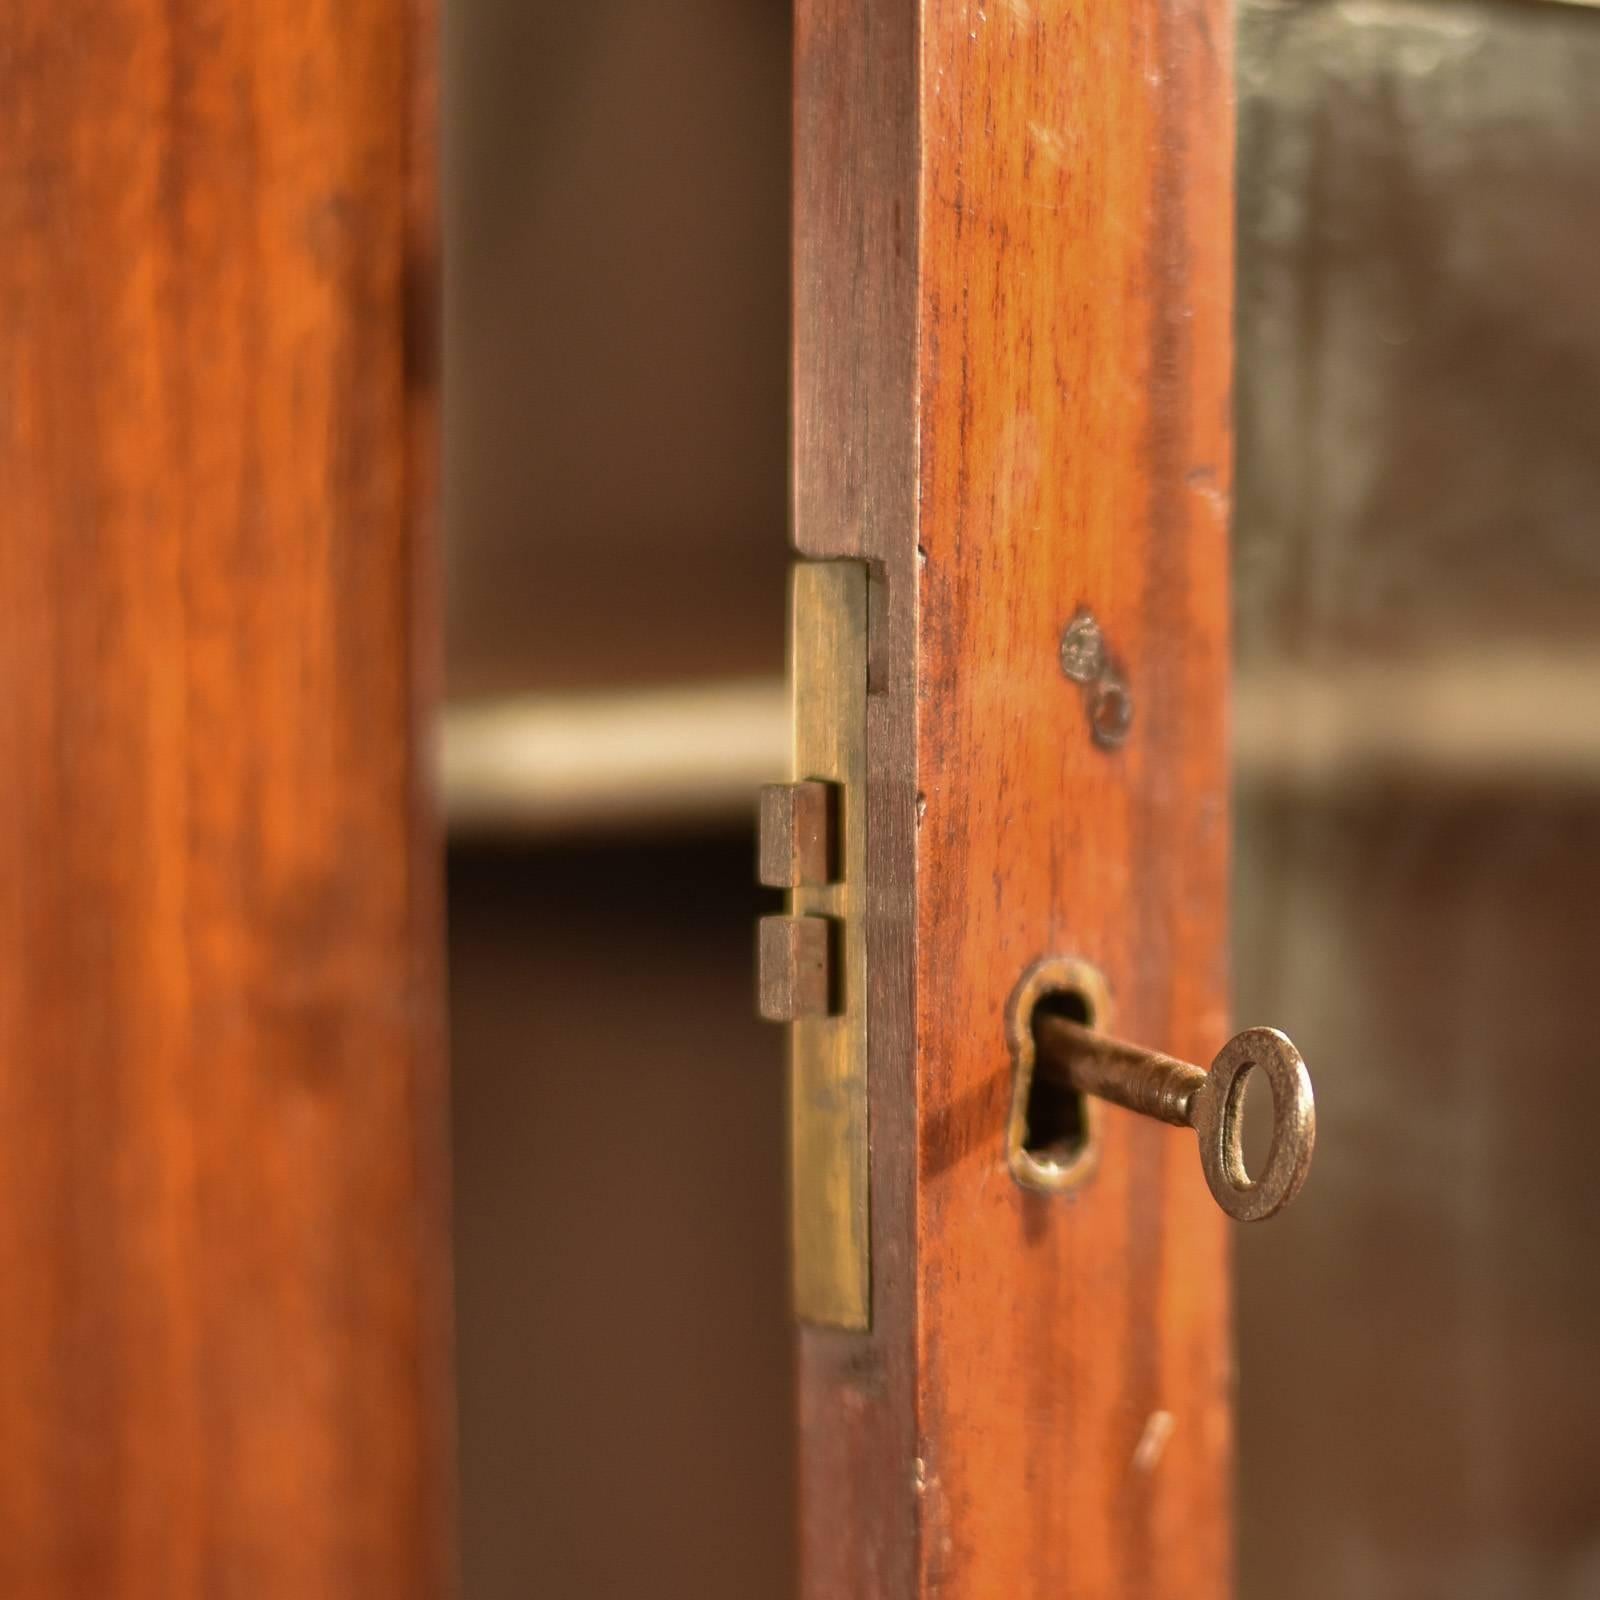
(854, 482)
(223, 1187)
(1013, 296)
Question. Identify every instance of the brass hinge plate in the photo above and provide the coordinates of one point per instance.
(828, 1053)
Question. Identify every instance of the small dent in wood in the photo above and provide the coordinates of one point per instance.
(1086, 660)
(1152, 1443)
(1110, 713)
(1083, 647)
(1203, 480)
(1051, 143)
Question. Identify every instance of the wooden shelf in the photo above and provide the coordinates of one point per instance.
(694, 754)
(1454, 718)
(686, 754)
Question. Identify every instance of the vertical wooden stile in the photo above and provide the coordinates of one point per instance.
(1012, 353)
(223, 1102)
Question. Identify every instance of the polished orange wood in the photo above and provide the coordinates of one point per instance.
(223, 1188)
(1012, 323)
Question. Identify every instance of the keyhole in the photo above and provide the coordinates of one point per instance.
(1057, 1119)
(1052, 1131)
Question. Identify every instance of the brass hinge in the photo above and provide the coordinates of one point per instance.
(813, 960)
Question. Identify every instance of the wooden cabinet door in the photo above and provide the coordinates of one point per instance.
(223, 1205)
(1012, 303)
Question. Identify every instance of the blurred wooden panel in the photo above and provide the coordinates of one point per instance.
(627, 1388)
(223, 1210)
(616, 329)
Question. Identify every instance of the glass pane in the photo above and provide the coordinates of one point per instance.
(1418, 765)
